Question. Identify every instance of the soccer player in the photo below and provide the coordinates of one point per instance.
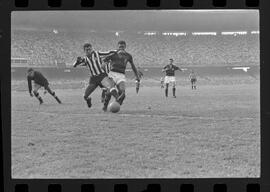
(193, 79)
(118, 62)
(170, 77)
(140, 74)
(162, 82)
(39, 81)
(98, 76)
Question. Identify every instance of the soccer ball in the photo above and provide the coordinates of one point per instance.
(114, 107)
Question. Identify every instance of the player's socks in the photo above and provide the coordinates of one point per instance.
(88, 101)
(40, 100)
(137, 90)
(38, 97)
(106, 101)
(57, 99)
(114, 93)
(166, 92)
(121, 98)
(174, 91)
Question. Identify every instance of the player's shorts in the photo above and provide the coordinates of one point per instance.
(117, 77)
(193, 80)
(38, 86)
(169, 79)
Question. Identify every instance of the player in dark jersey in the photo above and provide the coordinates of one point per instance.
(39, 81)
(193, 79)
(118, 63)
(170, 77)
(98, 76)
(138, 83)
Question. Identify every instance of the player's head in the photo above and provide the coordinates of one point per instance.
(122, 45)
(87, 47)
(171, 61)
(30, 71)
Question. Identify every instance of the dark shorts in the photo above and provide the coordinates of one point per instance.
(193, 80)
(96, 80)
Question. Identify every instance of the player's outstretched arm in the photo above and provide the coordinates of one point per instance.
(178, 68)
(134, 68)
(107, 53)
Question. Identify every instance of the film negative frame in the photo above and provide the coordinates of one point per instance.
(135, 185)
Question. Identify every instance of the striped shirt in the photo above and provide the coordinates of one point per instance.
(94, 62)
(107, 67)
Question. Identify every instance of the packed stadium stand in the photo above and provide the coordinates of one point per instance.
(45, 48)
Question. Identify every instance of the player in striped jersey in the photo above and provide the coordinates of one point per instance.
(98, 76)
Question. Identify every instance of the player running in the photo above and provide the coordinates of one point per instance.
(39, 81)
(193, 79)
(118, 62)
(170, 77)
(98, 76)
(138, 83)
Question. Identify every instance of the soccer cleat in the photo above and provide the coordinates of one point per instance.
(104, 108)
(174, 96)
(89, 103)
(40, 101)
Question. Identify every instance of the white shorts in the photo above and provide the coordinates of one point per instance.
(36, 87)
(117, 77)
(169, 79)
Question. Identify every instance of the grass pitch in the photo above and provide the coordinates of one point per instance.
(213, 131)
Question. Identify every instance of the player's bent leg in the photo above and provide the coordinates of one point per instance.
(103, 95)
(38, 96)
(47, 88)
(108, 96)
(109, 84)
(122, 93)
(89, 89)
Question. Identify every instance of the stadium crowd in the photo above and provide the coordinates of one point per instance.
(45, 48)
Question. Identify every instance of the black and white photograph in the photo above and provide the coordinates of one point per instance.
(114, 94)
